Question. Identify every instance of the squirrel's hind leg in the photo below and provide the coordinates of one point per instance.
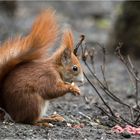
(52, 118)
(46, 121)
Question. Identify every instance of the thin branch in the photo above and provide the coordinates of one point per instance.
(136, 89)
(7, 117)
(103, 67)
(137, 119)
(82, 37)
(128, 122)
(126, 63)
(132, 114)
(99, 95)
(110, 116)
(107, 91)
(103, 73)
(91, 53)
(104, 85)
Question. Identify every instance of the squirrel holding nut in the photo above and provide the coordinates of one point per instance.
(27, 81)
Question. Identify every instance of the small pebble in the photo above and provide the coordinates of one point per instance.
(126, 135)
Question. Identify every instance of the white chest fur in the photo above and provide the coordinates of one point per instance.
(44, 109)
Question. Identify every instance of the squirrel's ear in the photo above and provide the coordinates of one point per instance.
(66, 56)
(67, 44)
(68, 40)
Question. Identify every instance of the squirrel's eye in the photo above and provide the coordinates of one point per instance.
(75, 68)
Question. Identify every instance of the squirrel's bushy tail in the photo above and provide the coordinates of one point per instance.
(25, 49)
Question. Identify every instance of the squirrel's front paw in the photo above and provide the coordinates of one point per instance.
(74, 89)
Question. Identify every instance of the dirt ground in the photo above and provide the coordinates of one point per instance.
(83, 120)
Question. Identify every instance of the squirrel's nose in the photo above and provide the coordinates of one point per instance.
(80, 78)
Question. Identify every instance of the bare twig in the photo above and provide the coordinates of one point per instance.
(104, 64)
(107, 91)
(126, 63)
(82, 37)
(132, 114)
(110, 116)
(103, 73)
(128, 122)
(104, 85)
(99, 95)
(131, 70)
(136, 79)
(137, 119)
(91, 53)
(136, 89)
(7, 117)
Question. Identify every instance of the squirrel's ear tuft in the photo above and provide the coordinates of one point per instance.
(66, 56)
(68, 40)
(67, 45)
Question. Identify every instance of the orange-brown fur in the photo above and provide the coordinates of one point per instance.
(26, 84)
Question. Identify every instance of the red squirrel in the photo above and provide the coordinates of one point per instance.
(26, 85)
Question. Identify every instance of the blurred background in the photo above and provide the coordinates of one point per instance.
(107, 22)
